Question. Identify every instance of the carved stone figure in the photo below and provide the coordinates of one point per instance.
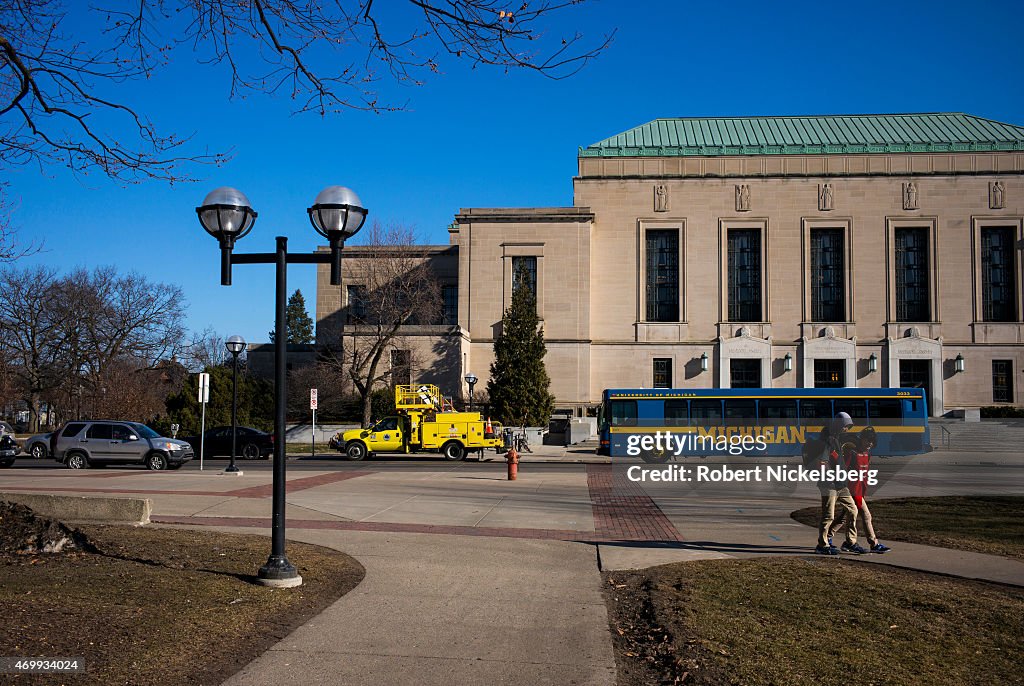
(910, 196)
(825, 197)
(661, 198)
(995, 195)
(742, 198)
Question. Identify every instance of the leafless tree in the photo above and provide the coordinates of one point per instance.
(56, 82)
(333, 390)
(32, 337)
(397, 289)
(93, 339)
(111, 316)
(205, 350)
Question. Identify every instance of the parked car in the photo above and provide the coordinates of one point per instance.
(8, 449)
(99, 443)
(6, 428)
(252, 444)
(38, 446)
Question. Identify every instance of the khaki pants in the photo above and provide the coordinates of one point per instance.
(829, 499)
(865, 516)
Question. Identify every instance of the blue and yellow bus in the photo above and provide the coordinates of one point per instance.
(782, 419)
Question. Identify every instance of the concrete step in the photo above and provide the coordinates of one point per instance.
(985, 436)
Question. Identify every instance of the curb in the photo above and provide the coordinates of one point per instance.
(73, 508)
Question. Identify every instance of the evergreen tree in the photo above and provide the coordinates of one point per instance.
(255, 401)
(519, 382)
(297, 321)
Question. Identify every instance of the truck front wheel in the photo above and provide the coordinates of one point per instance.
(453, 450)
(356, 450)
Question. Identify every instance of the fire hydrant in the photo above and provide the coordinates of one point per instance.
(512, 460)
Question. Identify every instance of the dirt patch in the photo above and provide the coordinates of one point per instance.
(23, 532)
(981, 524)
(806, 622)
(145, 605)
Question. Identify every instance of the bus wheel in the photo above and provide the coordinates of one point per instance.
(657, 459)
(453, 451)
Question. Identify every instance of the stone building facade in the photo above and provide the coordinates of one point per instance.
(857, 251)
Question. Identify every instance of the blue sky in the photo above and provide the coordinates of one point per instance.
(483, 138)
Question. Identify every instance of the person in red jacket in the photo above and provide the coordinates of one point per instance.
(857, 457)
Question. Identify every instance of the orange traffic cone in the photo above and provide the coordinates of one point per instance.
(488, 429)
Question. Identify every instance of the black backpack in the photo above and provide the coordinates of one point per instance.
(811, 452)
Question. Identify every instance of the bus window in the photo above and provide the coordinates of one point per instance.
(740, 412)
(624, 413)
(706, 412)
(884, 409)
(773, 410)
(676, 413)
(815, 408)
(857, 409)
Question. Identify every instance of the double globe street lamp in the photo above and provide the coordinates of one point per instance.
(337, 214)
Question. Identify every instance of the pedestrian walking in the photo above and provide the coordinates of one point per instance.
(857, 457)
(834, 492)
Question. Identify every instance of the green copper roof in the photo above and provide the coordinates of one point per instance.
(825, 135)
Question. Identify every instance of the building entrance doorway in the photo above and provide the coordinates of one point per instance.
(917, 374)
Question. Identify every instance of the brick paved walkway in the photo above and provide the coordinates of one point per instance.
(622, 511)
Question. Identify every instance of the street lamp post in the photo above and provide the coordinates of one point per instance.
(337, 214)
(471, 379)
(235, 345)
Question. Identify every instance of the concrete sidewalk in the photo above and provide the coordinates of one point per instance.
(475, 579)
(450, 610)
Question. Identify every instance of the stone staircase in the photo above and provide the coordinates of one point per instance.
(986, 436)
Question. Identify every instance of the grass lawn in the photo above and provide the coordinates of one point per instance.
(794, 621)
(159, 605)
(985, 524)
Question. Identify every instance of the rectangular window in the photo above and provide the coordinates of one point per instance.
(815, 408)
(72, 429)
(706, 412)
(740, 412)
(1002, 381)
(857, 409)
(662, 372)
(401, 367)
(829, 373)
(663, 275)
(676, 413)
(745, 373)
(450, 295)
(884, 409)
(828, 291)
(99, 431)
(624, 413)
(998, 274)
(913, 303)
(356, 304)
(524, 273)
(775, 410)
(744, 275)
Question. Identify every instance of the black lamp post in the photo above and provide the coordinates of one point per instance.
(471, 379)
(235, 345)
(225, 214)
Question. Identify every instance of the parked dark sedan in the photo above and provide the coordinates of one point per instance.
(252, 444)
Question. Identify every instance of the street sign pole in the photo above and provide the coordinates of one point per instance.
(312, 406)
(204, 397)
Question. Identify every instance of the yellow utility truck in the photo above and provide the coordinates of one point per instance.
(426, 422)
